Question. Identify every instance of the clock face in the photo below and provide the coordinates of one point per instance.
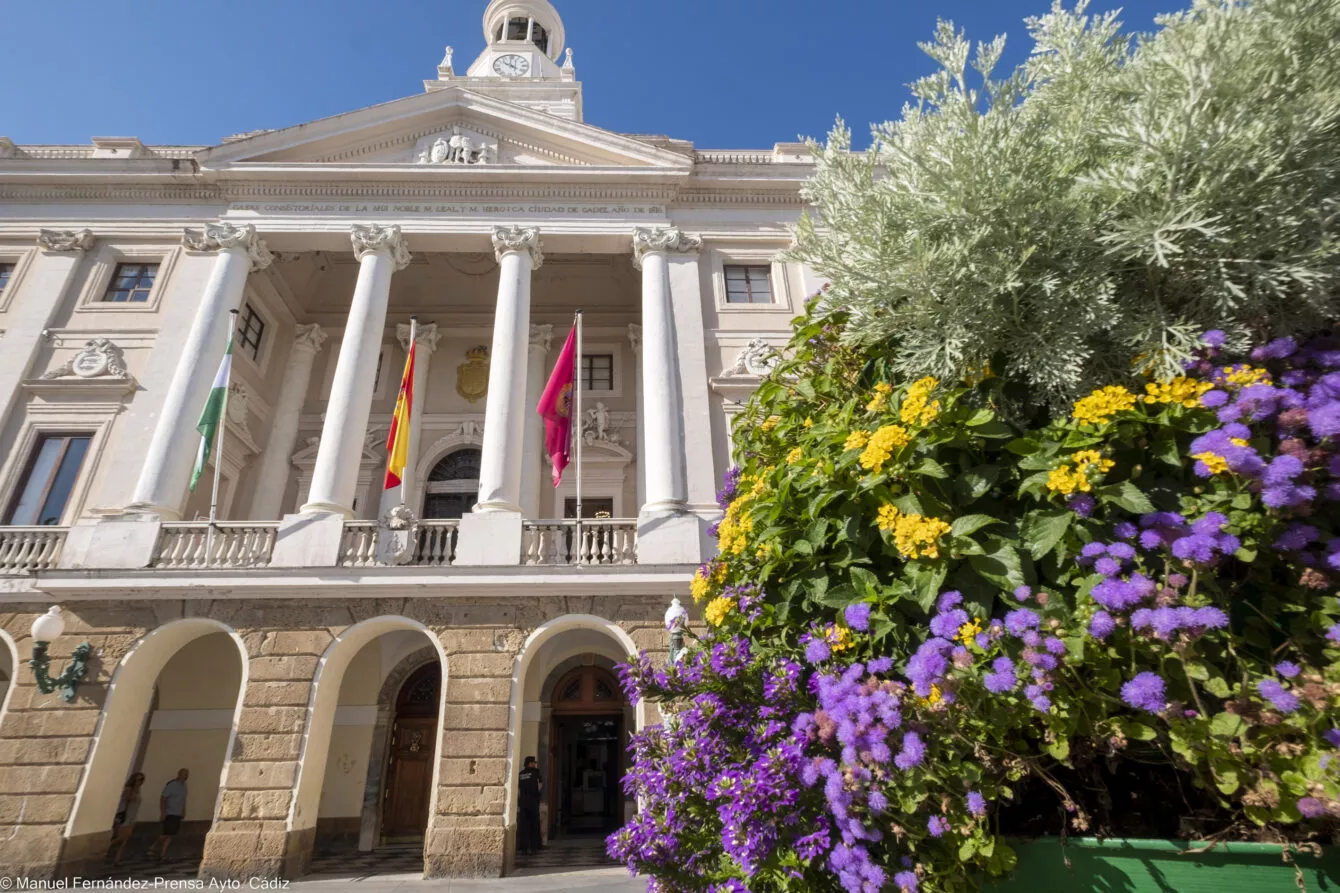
(511, 65)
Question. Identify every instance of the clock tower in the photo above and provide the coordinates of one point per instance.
(523, 60)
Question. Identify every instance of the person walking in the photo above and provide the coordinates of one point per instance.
(528, 822)
(171, 806)
(127, 809)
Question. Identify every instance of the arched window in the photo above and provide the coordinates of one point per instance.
(453, 485)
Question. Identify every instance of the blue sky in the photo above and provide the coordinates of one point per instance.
(722, 73)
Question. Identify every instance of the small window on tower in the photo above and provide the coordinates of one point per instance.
(517, 29)
(540, 37)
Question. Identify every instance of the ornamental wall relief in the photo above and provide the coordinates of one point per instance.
(459, 146)
(472, 376)
(99, 358)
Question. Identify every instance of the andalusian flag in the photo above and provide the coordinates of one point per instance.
(212, 415)
(397, 443)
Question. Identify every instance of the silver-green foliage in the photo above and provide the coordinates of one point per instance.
(1087, 216)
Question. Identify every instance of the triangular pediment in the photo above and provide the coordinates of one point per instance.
(451, 129)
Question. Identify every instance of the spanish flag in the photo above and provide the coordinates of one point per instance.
(397, 444)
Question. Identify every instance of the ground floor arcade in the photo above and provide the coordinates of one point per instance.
(312, 729)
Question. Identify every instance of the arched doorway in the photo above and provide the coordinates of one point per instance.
(453, 485)
(587, 739)
(410, 757)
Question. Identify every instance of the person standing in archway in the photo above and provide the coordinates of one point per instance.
(172, 806)
(528, 822)
(127, 809)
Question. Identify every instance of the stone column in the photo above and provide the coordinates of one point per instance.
(532, 452)
(518, 251)
(427, 338)
(635, 339)
(34, 301)
(171, 450)
(661, 449)
(381, 251)
(272, 480)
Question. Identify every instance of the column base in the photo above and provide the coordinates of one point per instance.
(327, 508)
(242, 851)
(489, 539)
(309, 540)
(115, 543)
(465, 847)
(147, 511)
(667, 537)
(497, 507)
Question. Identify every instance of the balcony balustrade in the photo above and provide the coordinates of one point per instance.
(27, 549)
(232, 545)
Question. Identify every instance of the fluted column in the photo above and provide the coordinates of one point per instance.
(518, 251)
(276, 460)
(635, 339)
(427, 338)
(381, 251)
(171, 450)
(661, 449)
(532, 453)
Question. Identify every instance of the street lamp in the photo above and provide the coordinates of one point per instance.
(676, 619)
(46, 629)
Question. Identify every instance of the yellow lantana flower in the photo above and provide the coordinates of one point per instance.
(770, 422)
(795, 456)
(881, 446)
(1213, 461)
(716, 611)
(968, 631)
(881, 398)
(809, 423)
(1181, 390)
(1099, 407)
(1067, 479)
(915, 536)
(856, 440)
(917, 409)
(1244, 375)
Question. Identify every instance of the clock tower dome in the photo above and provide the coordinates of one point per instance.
(523, 60)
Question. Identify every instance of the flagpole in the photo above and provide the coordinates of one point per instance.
(218, 452)
(409, 432)
(577, 428)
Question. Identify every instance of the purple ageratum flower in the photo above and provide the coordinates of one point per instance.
(1145, 692)
(1020, 621)
(1209, 524)
(947, 625)
(912, 754)
(1213, 399)
(1210, 618)
(1282, 470)
(1287, 495)
(1039, 700)
(817, 650)
(1279, 349)
(948, 600)
(858, 616)
(729, 484)
(1196, 549)
(1023, 593)
(1102, 625)
(1125, 530)
(1107, 566)
(1054, 645)
(1002, 677)
(928, 665)
(1123, 551)
(1281, 699)
(1214, 338)
(937, 826)
(905, 881)
(976, 804)
(1324, 420)
(1288, 669)
(1081, 504)
(1332, 737)
(1092, 551)
(1311, 808)
(1297, 537)
(880, 665)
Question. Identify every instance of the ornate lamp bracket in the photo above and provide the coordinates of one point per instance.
(45, 629)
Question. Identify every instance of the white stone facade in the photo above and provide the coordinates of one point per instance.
(487, 209)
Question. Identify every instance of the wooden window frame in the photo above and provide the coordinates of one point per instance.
(588, 372)
(749, 271)
(138, 288)
(248, 316)
(30, 464)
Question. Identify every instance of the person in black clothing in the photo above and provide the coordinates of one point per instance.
(528, 824)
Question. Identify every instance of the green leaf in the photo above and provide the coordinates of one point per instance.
(976, 482)
(967, 525)
(967, 850)
(993, 430)
(926, 580)
(1042, 530)
(1216, 686)
(1059, 750)
(1138, 731)
(804, 547)
(1000, 565)
(928, 467)
(1226, 779)
(1197, 670)
(865, 583)
(908, 504)
(1126, 495)
(1227, 725)
(1164, 448)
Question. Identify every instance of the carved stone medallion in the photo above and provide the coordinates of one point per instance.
(97, 358)
(472, 376)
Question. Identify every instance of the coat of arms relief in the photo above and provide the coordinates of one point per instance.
(457, 147)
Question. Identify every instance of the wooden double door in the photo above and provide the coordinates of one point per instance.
(409, 767)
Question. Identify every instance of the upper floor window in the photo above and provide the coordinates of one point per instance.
(250, 331)
(131, 283)
(49, 479)
(6, 271)
(748, 284)
(598, 372)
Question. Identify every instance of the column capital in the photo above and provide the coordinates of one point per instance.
(635, 336)
(522, 239)
(65, 239)
(368, 238)
(541, 337)
(309, 338)
(427, 337)
(221, 235)
(664, 239)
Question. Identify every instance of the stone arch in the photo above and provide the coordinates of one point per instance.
(128, 699)
(9, 668)
(375, 789)
(527, 685)
(469, 436)
(305, 805)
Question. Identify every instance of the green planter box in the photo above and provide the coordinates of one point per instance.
(1162, 866)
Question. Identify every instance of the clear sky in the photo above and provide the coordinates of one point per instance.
(722, 73)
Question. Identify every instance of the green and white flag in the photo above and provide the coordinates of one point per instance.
(212, 415)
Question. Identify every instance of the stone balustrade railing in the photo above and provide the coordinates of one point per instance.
(27, 549)
(599, 542)
(358, 548)
(437, 544)
(232, 545)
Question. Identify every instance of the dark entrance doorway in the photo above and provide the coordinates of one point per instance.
(409, 764)
(588, 738)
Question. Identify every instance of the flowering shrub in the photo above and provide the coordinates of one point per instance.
(921, 610)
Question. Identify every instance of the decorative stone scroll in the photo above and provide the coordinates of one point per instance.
(460, 147)
(65, 240)
(542, 337)
(758, 358)
(98, 358)
(371, 237)
(667, 239)
(525, 239)
(221, 235)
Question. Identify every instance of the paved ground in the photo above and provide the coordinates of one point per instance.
(601, 880)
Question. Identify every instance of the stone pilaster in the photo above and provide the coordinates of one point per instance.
(275, 464)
